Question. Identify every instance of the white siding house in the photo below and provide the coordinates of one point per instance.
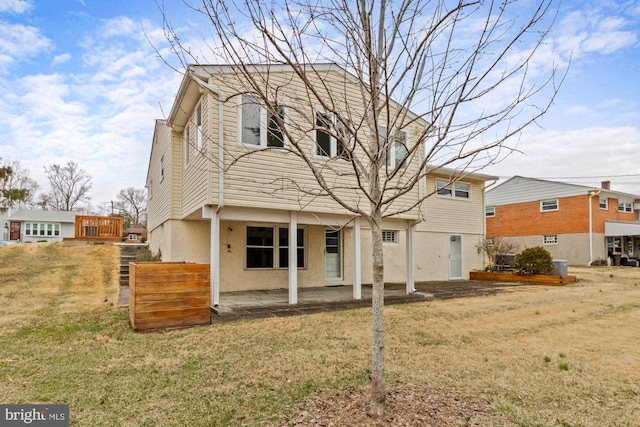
(217, 196)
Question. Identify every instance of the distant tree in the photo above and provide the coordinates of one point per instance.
(15, 184)
(132, 203)
(70, 186)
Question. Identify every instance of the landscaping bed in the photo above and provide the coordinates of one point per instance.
(534, 279)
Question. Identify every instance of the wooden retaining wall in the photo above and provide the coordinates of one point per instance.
(533, 279)
(168, 295)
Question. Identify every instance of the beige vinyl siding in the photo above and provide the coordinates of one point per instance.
(196, 174)
(276, 179)
(454, 215)
(159, 206)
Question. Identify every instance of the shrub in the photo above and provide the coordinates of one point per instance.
(535, 260)
(148, 256)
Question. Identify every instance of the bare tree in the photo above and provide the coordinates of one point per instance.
(132, 202)
(467, 69)
(69, 186)
(498, 250)
(15, 184)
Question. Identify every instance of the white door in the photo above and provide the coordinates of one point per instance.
(332, 255)
(455, 257)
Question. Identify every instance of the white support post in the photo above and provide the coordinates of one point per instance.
(293, 258)
(214, 251)
(409, 255)
(357, 261)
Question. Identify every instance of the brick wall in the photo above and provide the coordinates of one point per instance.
(526, 219)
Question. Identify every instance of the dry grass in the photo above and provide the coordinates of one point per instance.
(541, 356)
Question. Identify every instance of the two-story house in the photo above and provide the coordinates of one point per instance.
(573, 222)
(224, 190)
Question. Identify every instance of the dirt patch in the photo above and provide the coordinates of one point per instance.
(406, 406)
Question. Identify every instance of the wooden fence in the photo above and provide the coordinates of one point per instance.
(168, 294)
(102, 228)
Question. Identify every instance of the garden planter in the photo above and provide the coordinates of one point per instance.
(168, 294)
(534, 279)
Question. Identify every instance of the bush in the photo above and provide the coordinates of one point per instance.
(535, 260)
(148, 256)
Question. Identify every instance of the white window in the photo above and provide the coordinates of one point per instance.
(198, 120)
(604, 203)
(48, 230)
(332, 136)
(390, 236)
(161, 167)
(397, 149)
(133, 237)
(268, 247)
(625, 207)
(259, 127)
(457, 190)
(490, 211)
(551, 239)
(549, 205)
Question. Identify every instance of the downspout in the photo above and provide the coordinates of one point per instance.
(215, 226)
(591, 194)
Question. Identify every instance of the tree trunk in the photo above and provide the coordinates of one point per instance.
(378, 392)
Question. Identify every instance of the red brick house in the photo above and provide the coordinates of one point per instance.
(573, 222)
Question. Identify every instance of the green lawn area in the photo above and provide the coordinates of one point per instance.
(542, 356)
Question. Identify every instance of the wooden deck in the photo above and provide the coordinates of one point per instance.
(99, 228)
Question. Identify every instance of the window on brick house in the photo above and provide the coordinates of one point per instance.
(604, 203)
(549, 205)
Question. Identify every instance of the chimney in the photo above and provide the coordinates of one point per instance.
(606, 185)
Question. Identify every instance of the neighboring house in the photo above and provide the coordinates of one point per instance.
(575, 223)
(211, 203)
(135, 234)
(26, 225)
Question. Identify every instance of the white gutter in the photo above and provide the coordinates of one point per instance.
(215, 225)
(591, 194)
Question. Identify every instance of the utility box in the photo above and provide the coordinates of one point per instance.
(561, 267)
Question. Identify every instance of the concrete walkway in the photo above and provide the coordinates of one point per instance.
(273, 303)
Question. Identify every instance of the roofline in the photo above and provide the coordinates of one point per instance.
(463, 174)
(587, 188)
(204, 71)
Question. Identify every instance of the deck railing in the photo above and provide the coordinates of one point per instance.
(105, 228)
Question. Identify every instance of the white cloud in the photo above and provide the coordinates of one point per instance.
(15, 6)
(61, 59)
(589, 153)
(20, 42)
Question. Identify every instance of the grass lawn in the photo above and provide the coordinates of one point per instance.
(542, 356)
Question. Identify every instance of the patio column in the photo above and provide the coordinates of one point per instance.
(214, 253)
(409, 255)
(293, 257)
(357, 261)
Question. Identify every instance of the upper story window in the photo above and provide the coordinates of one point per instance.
(604, 203)
(490, 211)
(549, 205)
(332, 136)
(259, 127)
(162, 167)
(198, 122)
(397, 151)
(625, 206)
(456, 190)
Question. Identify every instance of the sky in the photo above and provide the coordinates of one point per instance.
(81, 81)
